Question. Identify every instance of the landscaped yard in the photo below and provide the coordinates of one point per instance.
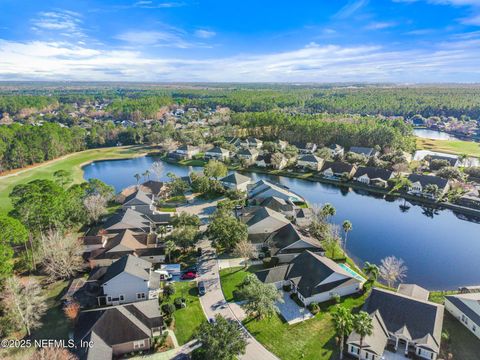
(312, 339)
(457, 147)
(72, 163)
(232, 277)
(462, 343)
(187, 319)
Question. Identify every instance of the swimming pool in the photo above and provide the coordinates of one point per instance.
(350, 271)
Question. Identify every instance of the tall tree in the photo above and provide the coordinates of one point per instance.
(137, 177)
(225, 230)
(96, 206)
(221, 340)
(363, 326)
(170, 247)
(215, 169)
(245, 249)
(12, 233)
(184, 236)
(347, 227)
(343, 322)
(392, 270)
(23, 299)
(371, 270)
(260, 298)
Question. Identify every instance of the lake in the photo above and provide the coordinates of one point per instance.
(441, 250)
(433, 134)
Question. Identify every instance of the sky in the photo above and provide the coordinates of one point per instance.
(402, 41)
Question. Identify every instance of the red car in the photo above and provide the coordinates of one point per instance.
(188, 275)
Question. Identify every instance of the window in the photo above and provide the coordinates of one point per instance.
(140, 295)
(367, 355)
(109, 298)
(474, 328)
(138, 344)
(122, 297)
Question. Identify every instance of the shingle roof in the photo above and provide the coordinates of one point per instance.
(398, 310)
(128, 264)
(265, 213)
(152, 186)
(465, 302)
(288, 236)
(129, 219)
(236, 178)
(367, 151)
(377, 341)
(414, 291)
(139, 197)
(310, 158)
(308, 270)
(218, 150)
(277, 204)
(425, 180)
(373, 172)
(247, 151)
(337, 167)
(117, 325)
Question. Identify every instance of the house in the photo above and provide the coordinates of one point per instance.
(285, 207)
(305, 147)
(126, 242)
(127, 280)
(282, 145)
(152, 187)
(217, 153)
(264, 189)
(422, 183)
(266, 161)
(336, 150)
(247, 154)
(313, 277)
(373, 176)
(337, 169)
(115, 331)
(236, 181)
(252, 143)
(261, 222)
(304, 216)
(139, 201)
(185, 152)
(287, 243)
(234, 141)
(471, 200)
(128, 219)
(310, 161)
(366, 151)
(466, 309)
(451, 159)
(404, 321)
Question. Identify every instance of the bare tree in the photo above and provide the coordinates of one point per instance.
(53, 353)
(277, 159)
(22, 298)
(392, 270)
(61, 255)
(96, 206)
(245, 249)
(157, 169)
(168, 144)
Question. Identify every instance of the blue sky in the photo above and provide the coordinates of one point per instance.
(407, 41)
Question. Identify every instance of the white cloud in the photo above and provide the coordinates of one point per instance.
(204, 34)
(147, 4)
(380, 25)
(449, 61)
(350, 8)
(473, 20)
(62, 22)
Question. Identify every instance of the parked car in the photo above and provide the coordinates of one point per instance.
(188, 275)
(201, 288)
(192, 268)
(164, 275)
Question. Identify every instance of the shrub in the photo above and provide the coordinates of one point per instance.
(314, 308)
(168, 320)
(168, 309)
(336, 298)
(168, 291)
(179, 302)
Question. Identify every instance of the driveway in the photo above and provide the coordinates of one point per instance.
(202, 208)
(213, 302)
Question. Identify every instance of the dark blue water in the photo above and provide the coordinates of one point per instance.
(440, 250)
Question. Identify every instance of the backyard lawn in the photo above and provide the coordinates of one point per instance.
(313, 339)
(457, 147)
(187, 319)
(72, 163)
(232, 277)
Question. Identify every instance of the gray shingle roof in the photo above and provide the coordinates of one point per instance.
(288, 236)
(377, 341)
(310, 158)
(236, 178)
(128, 264)
(367, 151)
(462, 305)
(338, 167)
(373, 172)
(425, 180)
(139, 197)
(129, 219)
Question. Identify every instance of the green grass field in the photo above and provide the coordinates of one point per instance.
(188, 319)
(456, 147)
(232, 277)
(72, 163)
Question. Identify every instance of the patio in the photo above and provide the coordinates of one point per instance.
(291, 312)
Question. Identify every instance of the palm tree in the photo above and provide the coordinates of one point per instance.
(138, 177)
(343, 322)
(371, 270)
(169, 248)
(146, 174)
(401, 183)
(347, 226)
(162, 230)
(363, 326)
(328, 210)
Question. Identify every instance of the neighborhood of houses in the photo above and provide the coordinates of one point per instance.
(129, 267)
(357, 165)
